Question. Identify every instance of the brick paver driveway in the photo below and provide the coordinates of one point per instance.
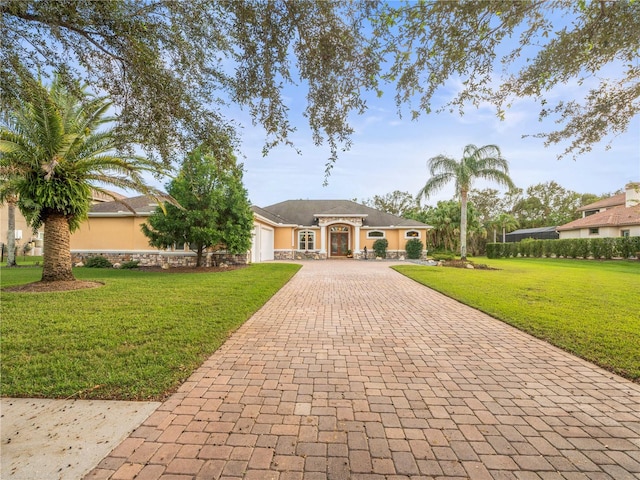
(354, 371)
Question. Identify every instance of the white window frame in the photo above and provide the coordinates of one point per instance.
(406, 234)
(306, 241)
(369, 232)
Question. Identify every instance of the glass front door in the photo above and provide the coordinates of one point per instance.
(339, 244)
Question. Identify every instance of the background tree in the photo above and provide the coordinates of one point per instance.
(171, 67)
(396, 203)
(547, 204)
(477, 162)
(215, 210)
(55, 147)
(503, 51)
(505, 222)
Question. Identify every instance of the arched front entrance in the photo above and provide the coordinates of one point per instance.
(338, 240)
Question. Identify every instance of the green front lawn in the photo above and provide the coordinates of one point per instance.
(137, 337)
(589, 308)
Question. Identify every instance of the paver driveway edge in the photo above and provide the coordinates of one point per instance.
(354, 371)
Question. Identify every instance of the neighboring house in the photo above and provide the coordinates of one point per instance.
(294, 229)
(541, 233)
(617, 216)
(26, 236)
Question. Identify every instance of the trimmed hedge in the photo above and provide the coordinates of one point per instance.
(597, 248)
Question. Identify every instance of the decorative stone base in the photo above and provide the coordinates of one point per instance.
(298, 255)
(164, 259)
(391, 255)
(371, 255)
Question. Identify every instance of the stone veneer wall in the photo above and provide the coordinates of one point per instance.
(172, 259)
(298, 255)
(371, 255)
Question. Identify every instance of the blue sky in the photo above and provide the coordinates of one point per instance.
(390, 153)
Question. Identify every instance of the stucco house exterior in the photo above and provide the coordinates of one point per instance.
(290, 230)
(616, 216)
(296, 229)
(25, 235)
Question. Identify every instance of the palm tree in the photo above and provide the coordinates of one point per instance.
(484, 162)
(55, 147)
(506, 221)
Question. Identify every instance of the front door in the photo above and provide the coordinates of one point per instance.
(339, 241)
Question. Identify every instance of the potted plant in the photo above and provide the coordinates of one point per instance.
(349, 254)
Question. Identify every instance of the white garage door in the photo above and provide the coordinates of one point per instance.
(266, 244)
(262, 247)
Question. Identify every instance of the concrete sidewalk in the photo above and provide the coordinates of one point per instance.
(63, 439)
(354, 371)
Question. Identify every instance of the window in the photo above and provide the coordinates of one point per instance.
(625, 233)
(340, 229)
(594, 231)
(375, 234)
(412, 234)
(306, 240)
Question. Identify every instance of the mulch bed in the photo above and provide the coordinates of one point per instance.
(463, 264)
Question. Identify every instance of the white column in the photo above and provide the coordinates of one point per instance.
(323, 239)
(356, 247)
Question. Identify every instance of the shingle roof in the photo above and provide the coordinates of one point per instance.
(605, 203)
(612, 217)
(303, 212)
(142, 205)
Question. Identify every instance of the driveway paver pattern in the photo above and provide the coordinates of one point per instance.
(352, 371)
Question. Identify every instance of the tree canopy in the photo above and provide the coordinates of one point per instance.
(170, 67)
(500, 51)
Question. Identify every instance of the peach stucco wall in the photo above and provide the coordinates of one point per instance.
(109, 233)
(282, 238)
(395, 237)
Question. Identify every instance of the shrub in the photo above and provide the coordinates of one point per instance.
(494, 250)
(380, 247)
(98, 262)
(130, 264)
(414, 248)
(597, 248)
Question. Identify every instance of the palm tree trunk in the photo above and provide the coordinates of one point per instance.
(57, 250)
(495, 233)
(504, 234)
(463, 224)
(11, 233)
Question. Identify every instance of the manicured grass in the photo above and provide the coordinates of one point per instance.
(24, 260)
(589, 308)
(137, 337)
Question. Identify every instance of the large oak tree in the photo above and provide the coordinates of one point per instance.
(170, 66)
